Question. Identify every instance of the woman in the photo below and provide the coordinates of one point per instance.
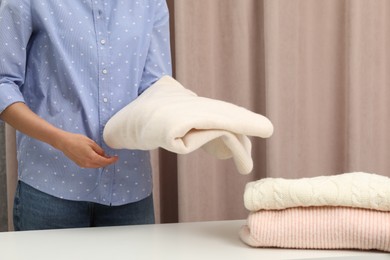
(66, 68)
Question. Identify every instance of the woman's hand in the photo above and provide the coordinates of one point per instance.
(79, 148)
(83, 151)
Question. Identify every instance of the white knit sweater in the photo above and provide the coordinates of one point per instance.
(169, 116)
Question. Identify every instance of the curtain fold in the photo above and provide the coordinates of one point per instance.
(219, 54)
(317, 69)
(3, 182)
(367, 85)
(305, 70)
(11, 168)
(327, 60)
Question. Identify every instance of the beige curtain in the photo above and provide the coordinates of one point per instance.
(11, 168)
(327, 85)
(219, 53)
(318, 69)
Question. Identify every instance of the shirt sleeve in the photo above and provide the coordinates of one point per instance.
(158, 61)
(15, 32)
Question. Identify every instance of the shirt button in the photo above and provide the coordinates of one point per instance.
(104, 71)
(105, 100)
(103, 41)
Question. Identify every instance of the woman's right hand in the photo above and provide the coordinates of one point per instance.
(79, 148)
(83, 151)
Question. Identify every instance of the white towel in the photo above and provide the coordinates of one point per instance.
(169, 116)
(356, 189)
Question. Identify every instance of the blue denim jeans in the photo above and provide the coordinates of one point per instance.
(35, 210)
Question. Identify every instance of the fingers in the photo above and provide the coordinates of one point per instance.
(103, 161)
(99, 159)
(92, 156)
(97, 148)
(86, 153)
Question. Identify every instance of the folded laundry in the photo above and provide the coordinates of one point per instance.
(169, 116)
(318, 228)
(355, 189)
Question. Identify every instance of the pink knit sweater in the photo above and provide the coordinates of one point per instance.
(318, 228)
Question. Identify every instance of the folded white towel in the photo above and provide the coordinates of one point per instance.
(356, 189)
(170, 116)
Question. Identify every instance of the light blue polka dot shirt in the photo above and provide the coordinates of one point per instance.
(75, 63)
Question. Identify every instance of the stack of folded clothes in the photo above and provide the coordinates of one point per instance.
(345, 211)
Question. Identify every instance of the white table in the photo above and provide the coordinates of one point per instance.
(200, 240)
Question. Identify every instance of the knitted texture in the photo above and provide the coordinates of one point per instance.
(357, 189)
(169, 116)
(318, 228)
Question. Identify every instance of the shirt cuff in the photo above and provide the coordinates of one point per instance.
(9, 94)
